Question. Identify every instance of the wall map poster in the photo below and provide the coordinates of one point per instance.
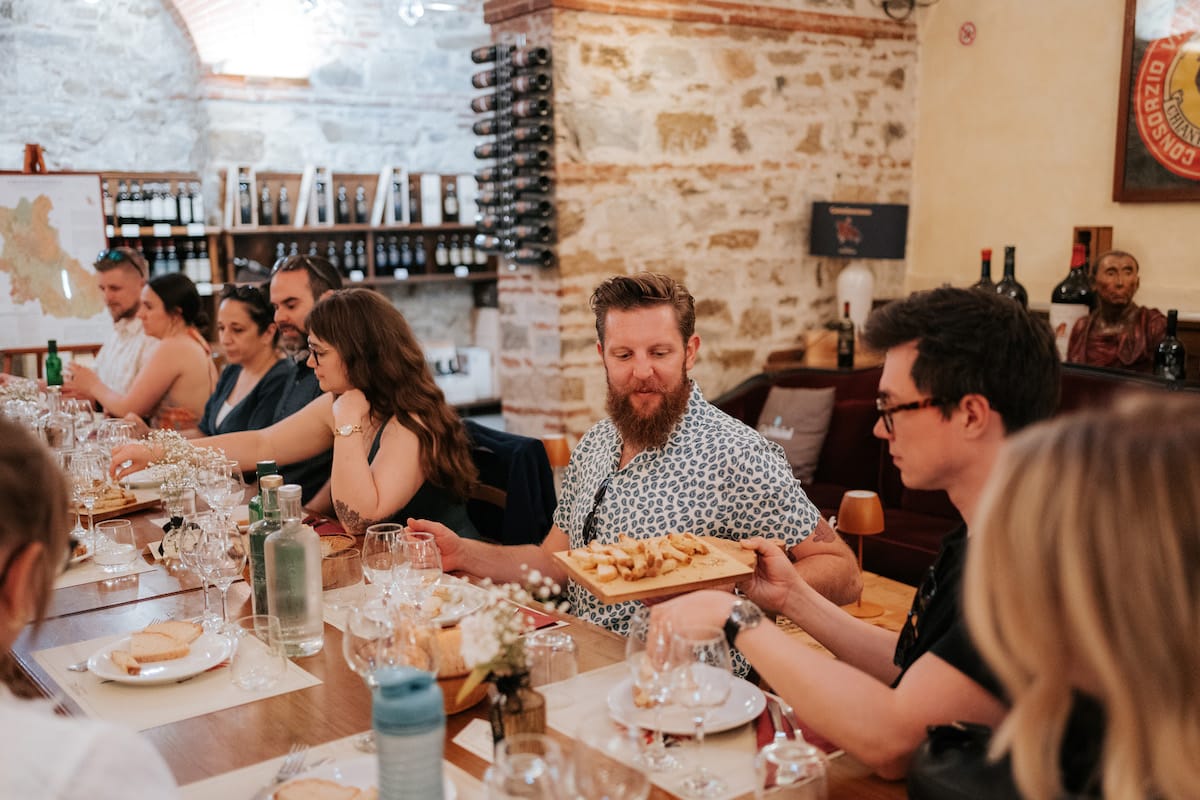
(1158, 130)
(51, 228)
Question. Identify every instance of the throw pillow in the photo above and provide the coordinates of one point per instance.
(798, 419)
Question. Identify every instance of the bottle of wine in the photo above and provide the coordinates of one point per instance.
(172, 257)
(342, 212)
(531, 57)
(533, 232)
(985, 271)
(484, 80)
(331, 254)
(185, 205)
(441, 256)
(533, 208)
(266, 209)
(170, 206)
(137, 207)
(419, 259)
(393, 254)
(534, 82)
(264, 520)
(380, 256)
(450, 203)
(487, 150)
(285, 207)
(1071, 299)
(530, 107)
(322, 207)
(203, 265)
(1008, 285)
(536, 132)
(533, 256)
(197, 202)
(360, 204)
(293, 558)
(485, 127)
(122, 204)
(1169, 358)
(536, 159)
(484, 55)
(484, 103)
(406, 255)
(53, 364)
(845, 339)
(156, 202)
(532, 184)
(189, 260)
(414, 205)
(244, 199)
(455, 252)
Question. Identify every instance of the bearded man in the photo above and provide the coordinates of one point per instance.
(665, 460)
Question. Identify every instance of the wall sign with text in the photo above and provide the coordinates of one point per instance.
(858, 230)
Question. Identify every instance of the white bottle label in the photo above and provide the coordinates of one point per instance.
(1063, 317)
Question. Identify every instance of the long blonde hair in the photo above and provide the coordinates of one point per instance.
(1083, 575)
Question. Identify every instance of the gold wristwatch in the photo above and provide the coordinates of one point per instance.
(347, 430)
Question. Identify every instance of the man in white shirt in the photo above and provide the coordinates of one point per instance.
(122, 274)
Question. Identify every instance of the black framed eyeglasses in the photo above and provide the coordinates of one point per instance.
(886, 412)
(589, 523)
(912, 623)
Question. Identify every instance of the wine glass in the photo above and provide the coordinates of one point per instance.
(223, 486)
(88, 479)
(64, 462)
(417, 566)
(365, 648)
(380, 546)
(603, 763)
(84, 415)
(703, 681)
(649, 655)
(223, 556)
(527, 765)
(191, 546)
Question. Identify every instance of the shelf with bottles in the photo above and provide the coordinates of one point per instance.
(161, 215)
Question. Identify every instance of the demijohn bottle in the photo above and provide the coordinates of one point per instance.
(985, 271)
(845, 340)
(1071, 299)
(293, 559)
(1169, 358)
(1008, 285)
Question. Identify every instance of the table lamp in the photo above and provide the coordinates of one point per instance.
(559, 455)
(861, 514)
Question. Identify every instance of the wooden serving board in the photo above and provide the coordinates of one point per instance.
(143, 499)
(724, 564)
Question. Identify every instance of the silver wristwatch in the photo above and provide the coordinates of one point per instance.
(743, 616)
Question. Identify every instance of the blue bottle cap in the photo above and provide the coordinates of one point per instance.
(407, 700)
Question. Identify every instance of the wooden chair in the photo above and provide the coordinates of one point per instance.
(515, 499)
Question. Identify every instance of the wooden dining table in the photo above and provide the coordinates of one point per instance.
(214, 743)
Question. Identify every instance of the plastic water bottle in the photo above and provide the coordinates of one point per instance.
(410, 727)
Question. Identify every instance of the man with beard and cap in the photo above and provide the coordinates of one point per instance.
(665, 460)
(297, 283)
(1118, 333)
(122, 274)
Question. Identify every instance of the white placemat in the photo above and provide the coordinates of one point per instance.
(143, 707)
(583, 700)
(243, 783)
(90, 572)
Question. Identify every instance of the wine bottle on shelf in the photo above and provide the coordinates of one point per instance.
(360, 255)
(170, 206)
(531, 159)
(485, 103)
(454, 252)
(985, 271)
(533, 232)
(488, 222)
(349, 261)
(532, 184)
(484, 55)
(280, 251)
(342, 210)
(419, 259)
(531, 107)
(266, 209)
(1170, 357)
(197, 198)
(486, 243)
(122, 204)
(533, 256)
(172, 257)
(533, 82)
(450, 203)
(294, 248)
(184, 202)
(485, 127)
(110, 208)
(845, 339)
(531, 57)
(481, 257)
(285, 207)
(484, 80)
(156, 202)
(441, 257)
(1008, 285)
(360, 205)
(406, 254)
(159, 265)
(1071, 299)
(533, 208)
(244, 199)
(137, 206)
(497, 172)
(536, 132)
(393, 253)
(414, 205)
(322, 207)
(312, 248)
(487, 150)
(380, 255)
(465, 251)
(189, 261)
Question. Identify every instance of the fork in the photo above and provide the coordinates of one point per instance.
(82, 666)
(291, 766)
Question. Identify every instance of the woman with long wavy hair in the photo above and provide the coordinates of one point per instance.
(1082, 591)
(399, 450)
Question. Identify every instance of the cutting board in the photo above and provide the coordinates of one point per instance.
(725, 563)
(143, 499)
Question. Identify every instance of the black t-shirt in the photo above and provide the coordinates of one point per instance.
(301, 389)
(935, 623)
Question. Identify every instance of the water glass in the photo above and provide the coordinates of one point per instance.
(552, 658)
(527, 765)
(113, 548)
(603, 764)
(703, 681)
(258, 658)
(790, 770)
(342, 583)
(379, 553)
(418, 566)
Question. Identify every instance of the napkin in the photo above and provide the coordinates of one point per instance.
(765, 732)
(323, 526)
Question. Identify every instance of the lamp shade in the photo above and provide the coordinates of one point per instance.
(860, 513)
(557, 450)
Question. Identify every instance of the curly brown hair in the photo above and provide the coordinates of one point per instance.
(384, 361)
(644, 290)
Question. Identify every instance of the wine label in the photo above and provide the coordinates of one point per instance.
(162, 229)
(1063, 317)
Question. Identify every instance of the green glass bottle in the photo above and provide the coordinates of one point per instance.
(270, 522)
(255, 506)
(53, 364)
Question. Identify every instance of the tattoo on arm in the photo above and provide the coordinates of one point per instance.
(351, 520)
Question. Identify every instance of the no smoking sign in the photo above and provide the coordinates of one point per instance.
(966, 33)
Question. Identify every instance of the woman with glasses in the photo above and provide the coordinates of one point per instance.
(45, 754)
(171, 389)
(255, 375)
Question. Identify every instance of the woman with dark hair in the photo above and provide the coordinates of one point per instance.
(253, 380)
(171, 389)
(399, 450)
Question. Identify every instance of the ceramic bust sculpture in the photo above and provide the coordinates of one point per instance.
(1118, 333)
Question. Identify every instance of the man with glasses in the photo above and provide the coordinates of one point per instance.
(666, 460)
(121, 273)
(963, 369)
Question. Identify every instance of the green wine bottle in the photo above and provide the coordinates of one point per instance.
(53, 364)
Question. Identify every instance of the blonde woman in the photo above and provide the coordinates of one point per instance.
(1083, 594)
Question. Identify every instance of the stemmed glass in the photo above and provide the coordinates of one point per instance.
(65, 458)
(223, 556)
(703, 681)
(112, 434)
(417, 565)
(191, 552)
(649, 655)
(84, 415)
(380, 546)
(527, 765)
(603, 764)
(223, 486)
(88, 478)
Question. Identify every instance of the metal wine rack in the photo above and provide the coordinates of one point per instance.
(516, 218)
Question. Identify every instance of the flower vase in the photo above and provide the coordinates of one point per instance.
(515, 706)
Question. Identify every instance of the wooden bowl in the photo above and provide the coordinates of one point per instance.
(453, 673)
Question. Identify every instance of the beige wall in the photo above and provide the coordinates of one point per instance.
(1014, 145)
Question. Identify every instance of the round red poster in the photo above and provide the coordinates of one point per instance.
(1167, 103)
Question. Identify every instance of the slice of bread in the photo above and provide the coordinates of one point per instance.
(125, 662)
(148, 647)
(317, 789)
(186, 632)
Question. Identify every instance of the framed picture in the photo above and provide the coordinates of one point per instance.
(1158, 125)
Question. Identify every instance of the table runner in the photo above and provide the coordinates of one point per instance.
(144, 707)
(243, 783)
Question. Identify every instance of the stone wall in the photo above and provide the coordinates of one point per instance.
(696, 147)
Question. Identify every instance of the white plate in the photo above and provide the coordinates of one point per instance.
(148, 478)
(465, 599)
(746, 701)
(207, 651)
(361, 772)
